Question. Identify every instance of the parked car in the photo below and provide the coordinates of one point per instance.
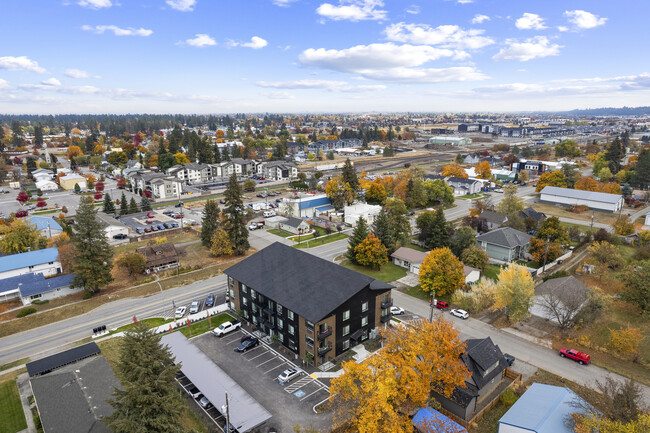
(278, 200)
(268, 213)
(120, 236)
(147, 229)
(154, 228)
(209, 301)
(161, 227)
(226, 328)
(178, 216)
(498, 190)
(174, 224)
(116, 216)
(179, 204)
(460, 313)
(168, 212)
(180, 312)
(168, 225)
(442, 305)
(194, 392)
(288, 375)
(194, 307)
(139, 230)
(222, 201)
(149, 221)
(579, 357)
(256, 225)
(509, 359)
(150, 215)
(204, 402)
(247, 345)
(396, 310)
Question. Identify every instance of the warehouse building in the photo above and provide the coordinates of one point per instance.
(593, 200)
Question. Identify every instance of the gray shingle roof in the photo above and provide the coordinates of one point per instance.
(560, 286)
(307, 285)
(493, 217)
(505, 237)
(602, 197)
(410, 255)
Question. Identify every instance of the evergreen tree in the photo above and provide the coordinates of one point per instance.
(225, 154)
(217, 155)
(641, 177)
(382, 230)
(124, 208)
(434, 230)
(38, 135)
(150, 401)
(359, 233)
(210, 222)
(350, 176)
(109, 206)
(92, 264)
(133, 206)
(234, 217)
(614, 155)
(145, 204)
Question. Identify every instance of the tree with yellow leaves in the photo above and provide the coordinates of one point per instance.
(376, 192)
(515, 292)
(181, 158)
(441, 272)
(454, 170)
(586, 183)
(551, 178)
(73, 151)
(483, 170)
(220, 244)
(376, 396)
(371, 252)
(339, 193)
(625, 341)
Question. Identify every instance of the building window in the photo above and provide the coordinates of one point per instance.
(290, 314)
(346, 315)
(280, 337)
(310, 342)
(346, 344)
(232, 294)
(253, 294)
(245, 314)
(364, 307)
(280, 323)
(254, 320)
(346, 330)
(36, 296)
(231, 281)
(244, 288)
(244, 301)
(291, 329)
(279, 309)
(364, 320)
(254, 308)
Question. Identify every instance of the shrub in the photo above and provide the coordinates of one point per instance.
(642, 253)
(602, 236)
(558, 274)
(88, 295)
(40, 301)
(578, 209)
(26, 311)
(508, 398)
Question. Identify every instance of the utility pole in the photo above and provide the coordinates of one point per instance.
(226, 408)
(548, 238)
(433, 293)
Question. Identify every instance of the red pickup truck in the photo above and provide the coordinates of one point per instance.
(579, 357)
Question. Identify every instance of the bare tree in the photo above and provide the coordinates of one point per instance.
(562, 306)
(616, 400)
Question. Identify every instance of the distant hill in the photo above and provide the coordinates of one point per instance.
(611, 111)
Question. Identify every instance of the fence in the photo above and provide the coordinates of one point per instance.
(557, 261)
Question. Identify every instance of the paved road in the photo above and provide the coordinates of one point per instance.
(522, 349)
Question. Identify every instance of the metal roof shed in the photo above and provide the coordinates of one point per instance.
(214, 383)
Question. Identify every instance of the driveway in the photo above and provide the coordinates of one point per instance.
(522, 349)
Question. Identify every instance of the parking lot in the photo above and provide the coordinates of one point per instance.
(257, 370)
(142, 221)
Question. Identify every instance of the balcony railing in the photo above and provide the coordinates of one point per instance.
(322, 350)
(324, 334)
(309, 329)
(387, 304)
(385, 318)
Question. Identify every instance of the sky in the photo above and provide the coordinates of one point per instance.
(321, 56)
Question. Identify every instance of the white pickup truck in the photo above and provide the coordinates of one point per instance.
(226, 328)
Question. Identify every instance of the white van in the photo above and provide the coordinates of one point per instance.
(269, 213)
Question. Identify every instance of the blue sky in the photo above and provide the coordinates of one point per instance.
(221, 56)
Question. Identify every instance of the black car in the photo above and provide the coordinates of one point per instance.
(509, 359)
(248, 344)
(222, 201)
(120, 236)
(168, 225)
(179, 204)
(209, 301)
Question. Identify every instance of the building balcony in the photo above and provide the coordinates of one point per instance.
(268, 324)
(269, 311)
(324, 334)
(385, 318)
(322, 350)
(386, 304)
(309, 329)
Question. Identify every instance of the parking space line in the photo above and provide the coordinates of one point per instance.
(268, 371)
(251, 350)
(268, 360)
(261, 354)
(236, 340)
(307, 396)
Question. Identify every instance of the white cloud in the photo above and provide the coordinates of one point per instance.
(413, 9)
(479, 18)
(118, 31)
(51, 82)
(531, 48)
(373, 56)
(256, 43)
(427, 75)
(78, 73)
(329, 85)
(449, 36)
(530, 22)
(95, 4)
(182, 5)
(200, 40)
(4, 84)
(353, 10)
(584, 20)
(21, 63)
(464, 2)
(279, 95)
(283, 3)
(562, 28)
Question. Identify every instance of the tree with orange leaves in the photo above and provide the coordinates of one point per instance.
(371, 252)
(377, 395)
(483, 170)
(586, 183)
(454, 170)
(73, 151)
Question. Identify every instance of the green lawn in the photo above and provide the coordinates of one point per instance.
(492, 271)
(12, 417)
(627, 252)
(202, 326)
(417, 292)
(14, 364)
(469, 196)
(322, 240)
(279, 232)
(388, 272)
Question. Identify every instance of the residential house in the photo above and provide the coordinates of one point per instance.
(472, 158)
(133, 163)
(47, 185)
(471, 274)
(433, 177)
(327, 145)
(486, 365)
(529, 212)
(159, 257)
(42, 175)
(493, 220)
(542, 409)
(161, 186)
(408, 258)
(296, 226)
(31, 287)
(315, 308)
(574, 197)
(45, 261)
(47, 226)
(68, 182)
(277, 170)
(493, 161)
(568, 294)
(504, 244)
(463, 186)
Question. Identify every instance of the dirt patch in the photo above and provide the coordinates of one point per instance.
(563, 211)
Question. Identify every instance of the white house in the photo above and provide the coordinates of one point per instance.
(46, 185)
(409, 259)
(472, 275)
(44, 262)
(647, 220)
(591, 199)
(366, 211)
(47, 226)
(464, 186)
(111, 225)
(31, 287)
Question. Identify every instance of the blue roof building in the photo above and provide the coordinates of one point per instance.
(44, 223)
(542, 409)
(36, 286)
(40, 261)
(428, 419)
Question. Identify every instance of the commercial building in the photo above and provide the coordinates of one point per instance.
(454, 141)
(111, 225)
(47, 226)
(315, 308)
(68, 182)
(574, 197)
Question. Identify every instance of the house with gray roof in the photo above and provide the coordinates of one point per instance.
(504, 244)
(575, 197)
(408, 258)
(559, 299)
(494, 220)
(463, 186)
(314, 307)
(294, 225)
